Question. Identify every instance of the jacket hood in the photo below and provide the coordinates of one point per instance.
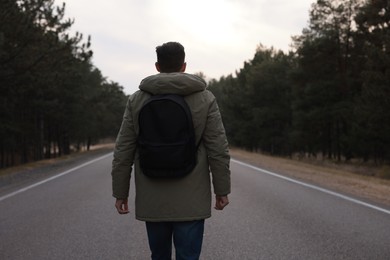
(173, 83)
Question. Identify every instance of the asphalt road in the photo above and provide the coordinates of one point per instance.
(72, 216)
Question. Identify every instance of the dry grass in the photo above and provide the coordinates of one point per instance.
(341, 178)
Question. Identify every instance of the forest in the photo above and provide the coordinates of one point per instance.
(328, 97)
(53, 100)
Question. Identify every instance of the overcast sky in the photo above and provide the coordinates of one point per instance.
(218, 35)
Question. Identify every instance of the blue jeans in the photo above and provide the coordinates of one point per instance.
(187, 237)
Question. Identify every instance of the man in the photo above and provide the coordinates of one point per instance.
(174, 208)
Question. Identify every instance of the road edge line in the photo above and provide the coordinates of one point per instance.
(9, 195)
(336, 194)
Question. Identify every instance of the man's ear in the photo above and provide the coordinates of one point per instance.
(183, 67)
(157, 66)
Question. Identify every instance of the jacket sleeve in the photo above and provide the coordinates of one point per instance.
(124, 153)
(215, 141)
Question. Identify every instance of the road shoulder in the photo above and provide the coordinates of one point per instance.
(366, 188)
(20, 176)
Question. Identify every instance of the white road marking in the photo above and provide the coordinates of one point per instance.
(53, 177)
(233, 160)
(313, 187)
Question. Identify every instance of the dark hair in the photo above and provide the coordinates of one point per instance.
(170, 57)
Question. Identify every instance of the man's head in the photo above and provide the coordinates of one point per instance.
(170, 57)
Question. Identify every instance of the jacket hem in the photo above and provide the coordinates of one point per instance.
(171, 219)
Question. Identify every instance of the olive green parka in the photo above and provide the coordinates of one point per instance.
(187, 198)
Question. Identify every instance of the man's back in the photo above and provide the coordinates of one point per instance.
(190, 197)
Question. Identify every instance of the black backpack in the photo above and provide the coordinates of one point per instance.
(166, 140)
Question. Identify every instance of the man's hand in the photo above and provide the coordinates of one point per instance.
(221, 202)
(122, 206)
